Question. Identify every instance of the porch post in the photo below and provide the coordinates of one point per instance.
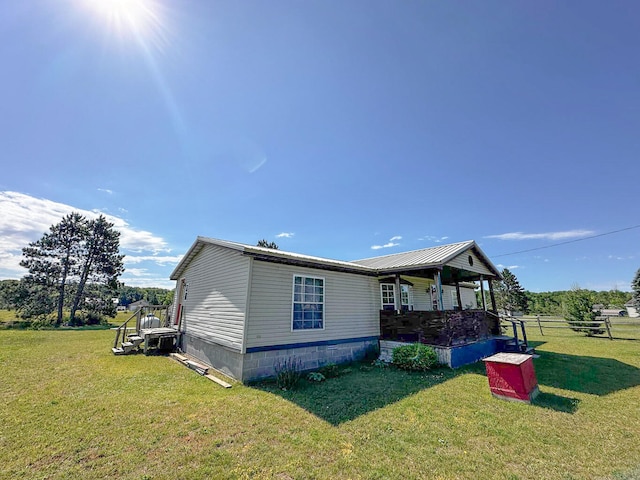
(398, 296)
(484, 303)
(493, 297)
(440, 291)
(458, 295)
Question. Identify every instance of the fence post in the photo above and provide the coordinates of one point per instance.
(540, 326)
(607, 324)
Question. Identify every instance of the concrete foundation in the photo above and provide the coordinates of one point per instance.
(258, 365)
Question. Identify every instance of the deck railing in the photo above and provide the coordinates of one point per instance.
(445, 328)
(162, 312)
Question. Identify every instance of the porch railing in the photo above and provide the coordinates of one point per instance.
(445, 328)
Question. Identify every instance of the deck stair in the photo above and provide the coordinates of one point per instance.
(151, 331)
(518, 343)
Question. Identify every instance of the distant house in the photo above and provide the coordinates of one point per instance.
(135, 306)
(243, 309)
(632, 310)
(613, 312)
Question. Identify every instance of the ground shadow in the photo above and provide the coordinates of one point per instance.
(592, 375)
(358, 390)
(362, 388)
(556, 402)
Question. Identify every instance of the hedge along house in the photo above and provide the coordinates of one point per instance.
(242, 308)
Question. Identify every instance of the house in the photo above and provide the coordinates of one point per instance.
(243, 309)
(135, 306)
(632, 309)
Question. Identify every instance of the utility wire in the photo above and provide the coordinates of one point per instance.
(568, 241)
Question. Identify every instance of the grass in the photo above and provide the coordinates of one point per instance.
(70, 409)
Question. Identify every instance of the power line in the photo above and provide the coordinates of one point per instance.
(567, 242)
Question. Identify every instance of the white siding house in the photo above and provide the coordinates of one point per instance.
(242, 308)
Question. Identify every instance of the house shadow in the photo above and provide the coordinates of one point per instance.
(361, 388)
(358, 390)
(592, 375)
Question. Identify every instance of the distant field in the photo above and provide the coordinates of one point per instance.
(70, 409)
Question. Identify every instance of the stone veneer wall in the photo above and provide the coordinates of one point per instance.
(259, 365)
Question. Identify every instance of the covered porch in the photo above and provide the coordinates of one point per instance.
(429, 296)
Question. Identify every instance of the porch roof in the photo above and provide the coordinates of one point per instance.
(432, 258)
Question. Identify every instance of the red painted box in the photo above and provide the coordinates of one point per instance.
(512, 377)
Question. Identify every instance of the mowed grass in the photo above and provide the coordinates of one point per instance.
(70, 409)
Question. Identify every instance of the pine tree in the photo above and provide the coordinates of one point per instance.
(264, 243)
(635, 286)
(74, 253)
(53, 259)
(510, 296)
(100, 262)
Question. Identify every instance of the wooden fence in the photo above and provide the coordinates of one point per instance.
(611, 327)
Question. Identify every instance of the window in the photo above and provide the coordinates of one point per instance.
(454, 299)
(388, 298)
(387, 292)
(308, 303)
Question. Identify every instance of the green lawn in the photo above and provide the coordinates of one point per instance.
(70, 409)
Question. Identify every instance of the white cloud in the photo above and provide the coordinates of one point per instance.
(508, 267)
(106, 190)
(566, 235)
(285, 235)
(388, 244)
(157, 259)
(24, 219)
(431, 238)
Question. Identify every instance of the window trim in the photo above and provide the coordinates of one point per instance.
(409, 303)
(323, 303)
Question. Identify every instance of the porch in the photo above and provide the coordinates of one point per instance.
(443, 328)
(459, 337)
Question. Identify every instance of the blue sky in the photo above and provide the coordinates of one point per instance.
(332, 128)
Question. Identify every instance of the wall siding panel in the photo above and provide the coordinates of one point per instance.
(216, 302)
(351, 306)
(462, 262)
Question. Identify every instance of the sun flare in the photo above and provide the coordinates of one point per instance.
(124, 17)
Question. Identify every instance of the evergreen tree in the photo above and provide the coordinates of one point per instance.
(265, 244)
(100, 261)
(53, 259)
(635, 287)
(510, 296)
(579, 313)
(74, 253)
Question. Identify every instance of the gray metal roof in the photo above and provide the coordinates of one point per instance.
(427, 257)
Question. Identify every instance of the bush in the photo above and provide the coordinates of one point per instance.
(315, 377)
(288, 373)
(330, 370)
(579, 314)
(415, 357)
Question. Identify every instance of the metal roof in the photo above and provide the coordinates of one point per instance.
(266, 252)
(425, 258)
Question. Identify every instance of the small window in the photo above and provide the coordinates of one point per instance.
(308, 303)
(387, 294)
(454, 299)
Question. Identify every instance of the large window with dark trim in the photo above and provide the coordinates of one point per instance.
(308, 303)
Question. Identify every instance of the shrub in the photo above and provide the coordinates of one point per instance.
(579, 314)
(330, 370)
(415, 357)
(315, 377)
(288, 373)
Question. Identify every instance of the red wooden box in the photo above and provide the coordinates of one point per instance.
(512, 377)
